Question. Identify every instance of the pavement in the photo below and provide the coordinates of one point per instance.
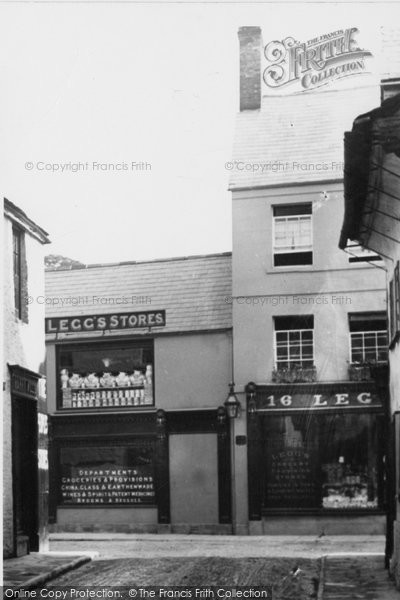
(35, 569)
(115, 545)
(350, 566)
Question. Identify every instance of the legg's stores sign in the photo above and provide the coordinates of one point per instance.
(87, 323)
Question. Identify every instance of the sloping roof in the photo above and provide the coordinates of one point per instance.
(370, 203)
(13, 212)
(303, 132)
(192, 290)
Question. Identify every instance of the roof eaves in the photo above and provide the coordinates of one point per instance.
(17, 215)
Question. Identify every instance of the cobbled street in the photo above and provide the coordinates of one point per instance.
(320, 573)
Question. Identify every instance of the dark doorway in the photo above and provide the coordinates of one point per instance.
(25, 474)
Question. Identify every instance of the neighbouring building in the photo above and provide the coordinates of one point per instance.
(372, 219)
(139, 359)
(25, 465)
(307, 319)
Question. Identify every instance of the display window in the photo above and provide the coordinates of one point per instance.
(101, 376)
(107, 474)
(320, 461)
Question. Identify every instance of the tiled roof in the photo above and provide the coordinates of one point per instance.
(192, 291)
(303, 132)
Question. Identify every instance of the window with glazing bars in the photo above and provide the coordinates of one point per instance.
(294, 342)
(368, 337)
(292, 234)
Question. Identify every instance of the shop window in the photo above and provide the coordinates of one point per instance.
(292, 235)
(368, 337)
(322, 461)
(294, 342)
(106, 376)
(19, 274)
(107, 474)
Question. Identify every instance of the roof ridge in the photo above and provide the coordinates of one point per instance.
(141, 262)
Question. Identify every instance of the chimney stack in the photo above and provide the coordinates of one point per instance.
(250, 67)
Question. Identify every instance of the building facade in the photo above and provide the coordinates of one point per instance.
(372, 217)
(139, 358)
(307, 319)
(25, 464)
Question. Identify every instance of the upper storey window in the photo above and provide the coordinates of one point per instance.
(292, 234)
(17, 269)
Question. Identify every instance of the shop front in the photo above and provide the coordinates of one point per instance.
(139, 439)
(116, 459)
(316, 453)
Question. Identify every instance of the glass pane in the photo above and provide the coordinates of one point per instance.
(370, 340)
(291, 469)
(349, 457)
(357, 356)
(281, 336)
(307, 351)
(107, 475)
(314, 460)
(294, 351)
(282, 352)
(114, 376)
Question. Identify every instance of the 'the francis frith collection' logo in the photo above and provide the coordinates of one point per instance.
(316, 62)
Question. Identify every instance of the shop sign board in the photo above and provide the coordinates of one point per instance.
(301, 401)
(116, 321)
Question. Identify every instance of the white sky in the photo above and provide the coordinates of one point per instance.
(121, 82)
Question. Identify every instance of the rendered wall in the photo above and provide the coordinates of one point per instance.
(192, 371)
(23, 345)
(329, 289)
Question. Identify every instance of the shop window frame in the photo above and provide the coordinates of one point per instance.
(100, 345)
(104, 442)
(321, 511)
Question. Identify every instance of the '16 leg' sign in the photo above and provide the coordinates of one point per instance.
(320, 401)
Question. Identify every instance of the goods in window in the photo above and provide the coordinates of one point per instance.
(91, 380)
(122, 379)
(75, 381)
(107, 380)
(64, 378)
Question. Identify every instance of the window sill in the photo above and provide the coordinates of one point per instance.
(321, 512)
